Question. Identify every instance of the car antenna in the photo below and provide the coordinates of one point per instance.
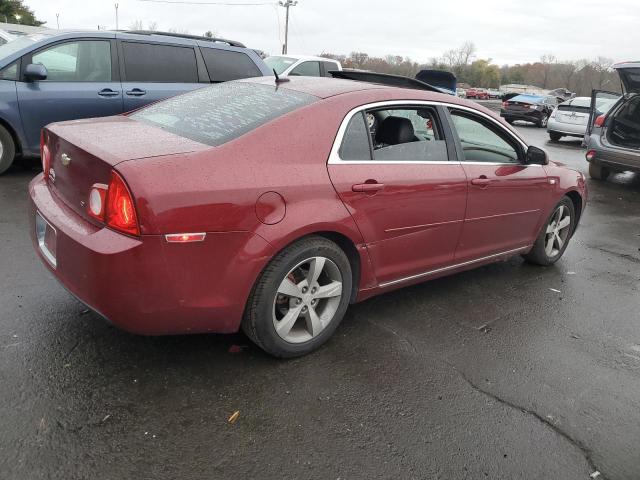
(278, 79)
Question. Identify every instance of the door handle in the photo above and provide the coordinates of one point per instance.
(367, 187)
(482, 181)
(136, 92)
(107, 92)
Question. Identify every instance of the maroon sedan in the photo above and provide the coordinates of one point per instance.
(271, 208)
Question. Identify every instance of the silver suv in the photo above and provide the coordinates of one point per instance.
(613, 138)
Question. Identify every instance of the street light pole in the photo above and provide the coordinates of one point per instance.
(58, 20)
(287, 4)
(116, 16)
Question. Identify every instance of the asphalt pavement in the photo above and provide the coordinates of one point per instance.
(510, 371)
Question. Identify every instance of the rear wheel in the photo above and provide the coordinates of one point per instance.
(7, 150)
(555, 235)
(299, 299)
(598, 172)
(555, 136)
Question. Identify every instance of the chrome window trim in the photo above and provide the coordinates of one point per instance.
(334, 156)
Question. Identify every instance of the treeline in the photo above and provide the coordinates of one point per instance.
(580, 76)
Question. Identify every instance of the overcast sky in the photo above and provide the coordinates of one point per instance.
(508, 31)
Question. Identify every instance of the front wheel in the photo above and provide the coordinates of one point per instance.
(299, 299)
(7, 150)
(555, 235)
(543, 121)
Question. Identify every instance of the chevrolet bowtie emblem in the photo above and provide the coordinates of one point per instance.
(65, 159)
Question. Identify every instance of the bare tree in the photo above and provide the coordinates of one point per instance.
(547, 60)
(153, 26)
(137, 25)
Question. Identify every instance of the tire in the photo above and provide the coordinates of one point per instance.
(282, 294)
(598, 172)
(554, 237)
(555, 136)
(8, 150)
(542, 123)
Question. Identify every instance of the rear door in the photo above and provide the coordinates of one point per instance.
(155, 71)
(506, 197)
(391, 167)
(601, 102)
(82, 81)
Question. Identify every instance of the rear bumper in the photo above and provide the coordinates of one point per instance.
(532, 116)
(146, 285)
(612, 156)
(569, 129)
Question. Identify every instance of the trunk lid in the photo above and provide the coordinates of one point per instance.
(629, 75)
(83, 153)
(574, 114)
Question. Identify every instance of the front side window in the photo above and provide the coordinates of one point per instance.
(307, 69)
(482, 142)
(407, 134)
(10, 72)
(84, 61)
(219, 113)
(147, 62)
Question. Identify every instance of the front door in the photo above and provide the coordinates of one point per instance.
(394, 175)
(506, 196)
(81, 83)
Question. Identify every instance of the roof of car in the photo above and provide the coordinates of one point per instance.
(306, 57)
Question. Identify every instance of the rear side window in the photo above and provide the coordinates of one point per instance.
(225, 65)
(219, 113)
(329, 67)
(355, 144)
(147, 62)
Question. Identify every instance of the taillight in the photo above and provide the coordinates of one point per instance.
(45, 155)
(591, 154)
(505, 104)
(119, 211)
(600, 120)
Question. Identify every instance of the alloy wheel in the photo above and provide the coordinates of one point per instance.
(558, 231)
(307, 300)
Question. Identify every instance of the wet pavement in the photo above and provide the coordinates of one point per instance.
(507, 372)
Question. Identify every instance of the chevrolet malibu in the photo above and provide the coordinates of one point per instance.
(272, 206)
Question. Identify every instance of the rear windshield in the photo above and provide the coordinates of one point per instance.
(279, 64)
(219, 113)
(526, 99)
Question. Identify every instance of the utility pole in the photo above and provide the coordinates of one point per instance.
(286, 4)
(58, 20)
(116, 16)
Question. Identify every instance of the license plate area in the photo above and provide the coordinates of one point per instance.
(46, 235)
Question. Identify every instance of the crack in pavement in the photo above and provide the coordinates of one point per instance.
(626, 256)
(586, 452)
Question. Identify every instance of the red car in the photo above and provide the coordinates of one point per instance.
(273, 206)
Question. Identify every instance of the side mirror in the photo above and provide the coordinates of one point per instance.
(537, 156)
(35, 71)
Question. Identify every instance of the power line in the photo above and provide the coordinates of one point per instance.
(229, 4)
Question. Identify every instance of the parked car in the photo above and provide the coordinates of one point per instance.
(392, 187)
(614, 137)
(302, 65)
(472, 92)
(53, 76)
(571, 118)
(6, 37)
(531, 108)
(509, 96)
(461, 92)
(494, 93)
(482, 94)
